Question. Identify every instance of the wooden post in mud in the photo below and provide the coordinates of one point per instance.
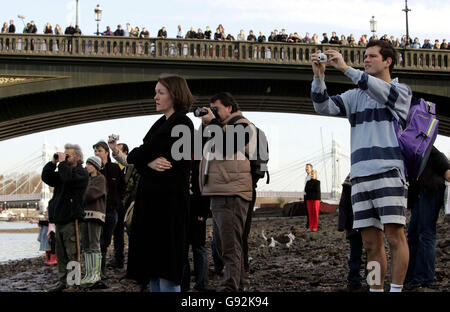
(77, 234)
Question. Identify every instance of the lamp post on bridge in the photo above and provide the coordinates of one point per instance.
(76, 17)
(373, 26)
(22, 18)
(406, 10)
(98, 16)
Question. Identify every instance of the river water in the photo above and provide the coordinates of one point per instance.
(14, 246)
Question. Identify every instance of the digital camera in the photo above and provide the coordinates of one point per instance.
(322, 58)
(114, 137)
(200, 111)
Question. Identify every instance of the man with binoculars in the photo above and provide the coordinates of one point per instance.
(65, 208)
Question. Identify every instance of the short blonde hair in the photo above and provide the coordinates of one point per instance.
(314, 174)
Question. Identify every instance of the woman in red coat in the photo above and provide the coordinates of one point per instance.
(312, 190)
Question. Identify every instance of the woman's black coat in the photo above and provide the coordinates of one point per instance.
(312, 190)
(158, 230)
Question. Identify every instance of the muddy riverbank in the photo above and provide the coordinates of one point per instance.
(316, 262)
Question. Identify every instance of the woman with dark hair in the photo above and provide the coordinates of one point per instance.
(157, 243)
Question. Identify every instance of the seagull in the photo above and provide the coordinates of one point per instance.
(285, 239)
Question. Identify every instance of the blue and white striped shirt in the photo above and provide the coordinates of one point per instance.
(369, 109)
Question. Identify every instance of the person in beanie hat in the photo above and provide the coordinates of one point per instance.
(95, 161)
(94, 202)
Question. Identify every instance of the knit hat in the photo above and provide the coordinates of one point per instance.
(95, 161)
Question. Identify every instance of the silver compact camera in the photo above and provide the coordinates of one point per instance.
(114, 137)
(322, 57)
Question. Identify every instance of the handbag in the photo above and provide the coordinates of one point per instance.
(129, 215)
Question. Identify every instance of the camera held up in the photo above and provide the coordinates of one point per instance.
(114, 137)
(322, 57)
(200, 111)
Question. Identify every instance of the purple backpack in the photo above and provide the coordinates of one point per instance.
(417, 138)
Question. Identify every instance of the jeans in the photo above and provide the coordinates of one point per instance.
(200, 255)
(163, 285)
(422, 239)
(355, 262)
(200, 266)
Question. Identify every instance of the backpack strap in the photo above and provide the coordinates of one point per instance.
(234, 119)
(232, 122)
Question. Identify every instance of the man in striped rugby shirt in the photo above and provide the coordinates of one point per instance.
(378, 182)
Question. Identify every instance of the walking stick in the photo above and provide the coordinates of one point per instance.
(77, 234)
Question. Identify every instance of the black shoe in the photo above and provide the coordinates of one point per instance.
(353, 288)
(99, 285)
(58, 287)
(115, 264)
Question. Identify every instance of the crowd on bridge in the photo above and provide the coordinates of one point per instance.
(163, 195)
(220, 34)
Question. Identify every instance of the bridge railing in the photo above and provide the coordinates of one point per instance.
(205, 50)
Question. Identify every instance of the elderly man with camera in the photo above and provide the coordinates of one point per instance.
(225, 176)
(65, 208)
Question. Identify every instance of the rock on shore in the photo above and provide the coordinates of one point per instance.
(317, 261)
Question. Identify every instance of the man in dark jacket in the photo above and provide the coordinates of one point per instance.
(69, 182)
(334, 38)
(425, 198)
(119, 31)
(70, 30)
(115, 183)
(191, 34)
(32, 29)
(162, 33)
(12, 27)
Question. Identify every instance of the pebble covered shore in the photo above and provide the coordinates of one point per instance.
(316, 262)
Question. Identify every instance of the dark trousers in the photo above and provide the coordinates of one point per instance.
(108, 230)
(66, 248)
(197, 237)
(229, 214)
(355, 260)
(248, 224)
(119, 240)
(307, 214)
(422, 239)
(200, 259)
(218, 263)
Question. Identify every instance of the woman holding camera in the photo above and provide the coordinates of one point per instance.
(161, 208)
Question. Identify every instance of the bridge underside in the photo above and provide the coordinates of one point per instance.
(32, 113)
